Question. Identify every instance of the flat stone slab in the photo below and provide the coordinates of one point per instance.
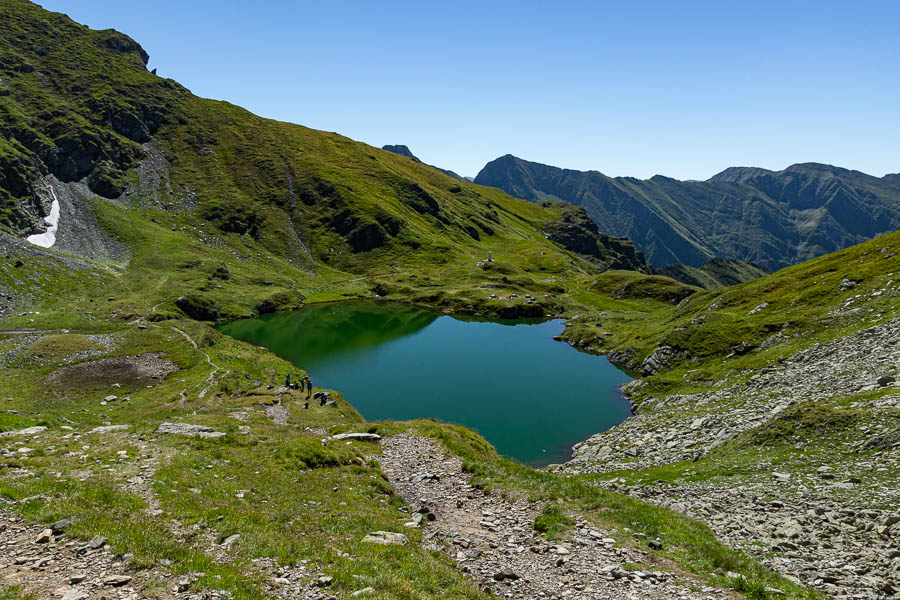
(109, 428)
(27, 431)
(364, 437)
(190, 430)
(386, 538)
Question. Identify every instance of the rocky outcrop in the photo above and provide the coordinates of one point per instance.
(198, 308)
(661, 358)
(577, 233)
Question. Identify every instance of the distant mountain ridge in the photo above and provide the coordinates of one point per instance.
(717, 272)
(770, 218)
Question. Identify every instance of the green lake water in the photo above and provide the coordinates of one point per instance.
(530, 396)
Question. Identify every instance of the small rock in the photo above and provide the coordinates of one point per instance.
(386, 537)
(117, 580)
(45, 536)
(98, 541)
(58, 526)
(885, 380)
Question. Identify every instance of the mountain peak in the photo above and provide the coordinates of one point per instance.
(403, 150)
(400, 149)
(738, 174)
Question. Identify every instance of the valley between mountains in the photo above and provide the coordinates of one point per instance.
(145, 454)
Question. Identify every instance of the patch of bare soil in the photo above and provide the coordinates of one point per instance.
(136, 369)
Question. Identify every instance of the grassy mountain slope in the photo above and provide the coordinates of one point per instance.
(174, 171)
(772, 219)
(774, 315)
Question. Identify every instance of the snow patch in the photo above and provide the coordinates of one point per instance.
(48, 238)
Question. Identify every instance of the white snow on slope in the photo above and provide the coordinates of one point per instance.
(48, 238)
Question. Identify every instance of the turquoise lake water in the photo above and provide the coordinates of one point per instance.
(530, 396)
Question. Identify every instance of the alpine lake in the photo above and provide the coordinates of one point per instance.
(530, 396)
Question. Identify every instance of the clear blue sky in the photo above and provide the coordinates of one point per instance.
(682, 88)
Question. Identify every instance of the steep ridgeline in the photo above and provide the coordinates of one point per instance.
(718, 272)
(772, 219)
(403, 150)
(130, 156)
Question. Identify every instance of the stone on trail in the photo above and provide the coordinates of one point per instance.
(117, 580)
(190, 430)
(45, 536)
(386, 538)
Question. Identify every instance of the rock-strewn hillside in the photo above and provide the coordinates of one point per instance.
(782, 437)
(772, 219)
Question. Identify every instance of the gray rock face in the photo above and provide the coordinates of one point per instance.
(190, 430)
(661, 358)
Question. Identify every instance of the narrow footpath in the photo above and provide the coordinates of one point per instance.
(493, 541)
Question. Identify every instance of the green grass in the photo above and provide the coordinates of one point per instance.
(553, 521)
